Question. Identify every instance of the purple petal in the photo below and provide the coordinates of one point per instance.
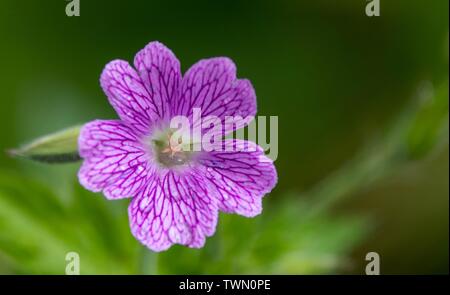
(240, 177)
(129, 97)
(211, 85)
(173, 209)
(114, 160)
(160, 71)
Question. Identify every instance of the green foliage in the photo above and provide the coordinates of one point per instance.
(283, 240)
(429, 122)
(37, 229)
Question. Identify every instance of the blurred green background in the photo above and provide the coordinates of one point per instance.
(363, 133)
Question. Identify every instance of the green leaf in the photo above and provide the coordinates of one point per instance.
(429, 123)
(59, 147)
(38, 228)
(282, 240)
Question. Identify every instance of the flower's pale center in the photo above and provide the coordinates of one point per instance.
(171, 152)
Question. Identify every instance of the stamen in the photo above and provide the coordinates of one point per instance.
(169, 153)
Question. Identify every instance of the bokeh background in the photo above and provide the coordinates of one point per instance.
(363, 133)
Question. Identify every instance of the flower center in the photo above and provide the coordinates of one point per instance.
(171, 152)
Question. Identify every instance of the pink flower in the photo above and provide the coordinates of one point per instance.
(176, 194)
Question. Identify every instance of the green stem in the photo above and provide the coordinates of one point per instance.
(148, 262)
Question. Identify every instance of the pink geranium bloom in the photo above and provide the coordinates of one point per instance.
(176, 194)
